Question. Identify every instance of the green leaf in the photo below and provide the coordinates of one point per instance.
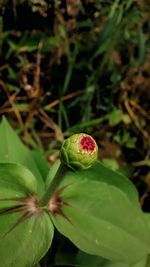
(99, 172)
(40, 161)
(15, 181)
(27, 243)
(13, 150)
(106, 35)
(111, 163)
(25, 234)
(86, 260)
(100, 220)
(141, 48)
(115, 117)
(52, 172)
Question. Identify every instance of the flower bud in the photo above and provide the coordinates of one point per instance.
(79, 151)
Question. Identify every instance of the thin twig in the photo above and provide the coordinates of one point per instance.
(135, 120)
(51, 124)
(67, 97)
(11, 99)
(138, 107)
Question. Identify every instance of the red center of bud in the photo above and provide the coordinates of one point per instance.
(87, 143)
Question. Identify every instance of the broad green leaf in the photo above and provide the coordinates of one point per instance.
(12, 150)
(100, 220)
(27, 243)
(142, 263)
(52, 172)
(101, 173)
(86, 260)
(15, 181)
(25, 234)
(41, 162)
(98, 172)
(111, 163)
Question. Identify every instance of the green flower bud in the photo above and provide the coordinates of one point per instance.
(79, 151)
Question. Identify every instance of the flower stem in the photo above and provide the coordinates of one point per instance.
(53, 185)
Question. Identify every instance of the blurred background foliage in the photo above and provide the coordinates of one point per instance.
(80, 66)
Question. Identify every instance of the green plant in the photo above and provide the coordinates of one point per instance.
(96, 208)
